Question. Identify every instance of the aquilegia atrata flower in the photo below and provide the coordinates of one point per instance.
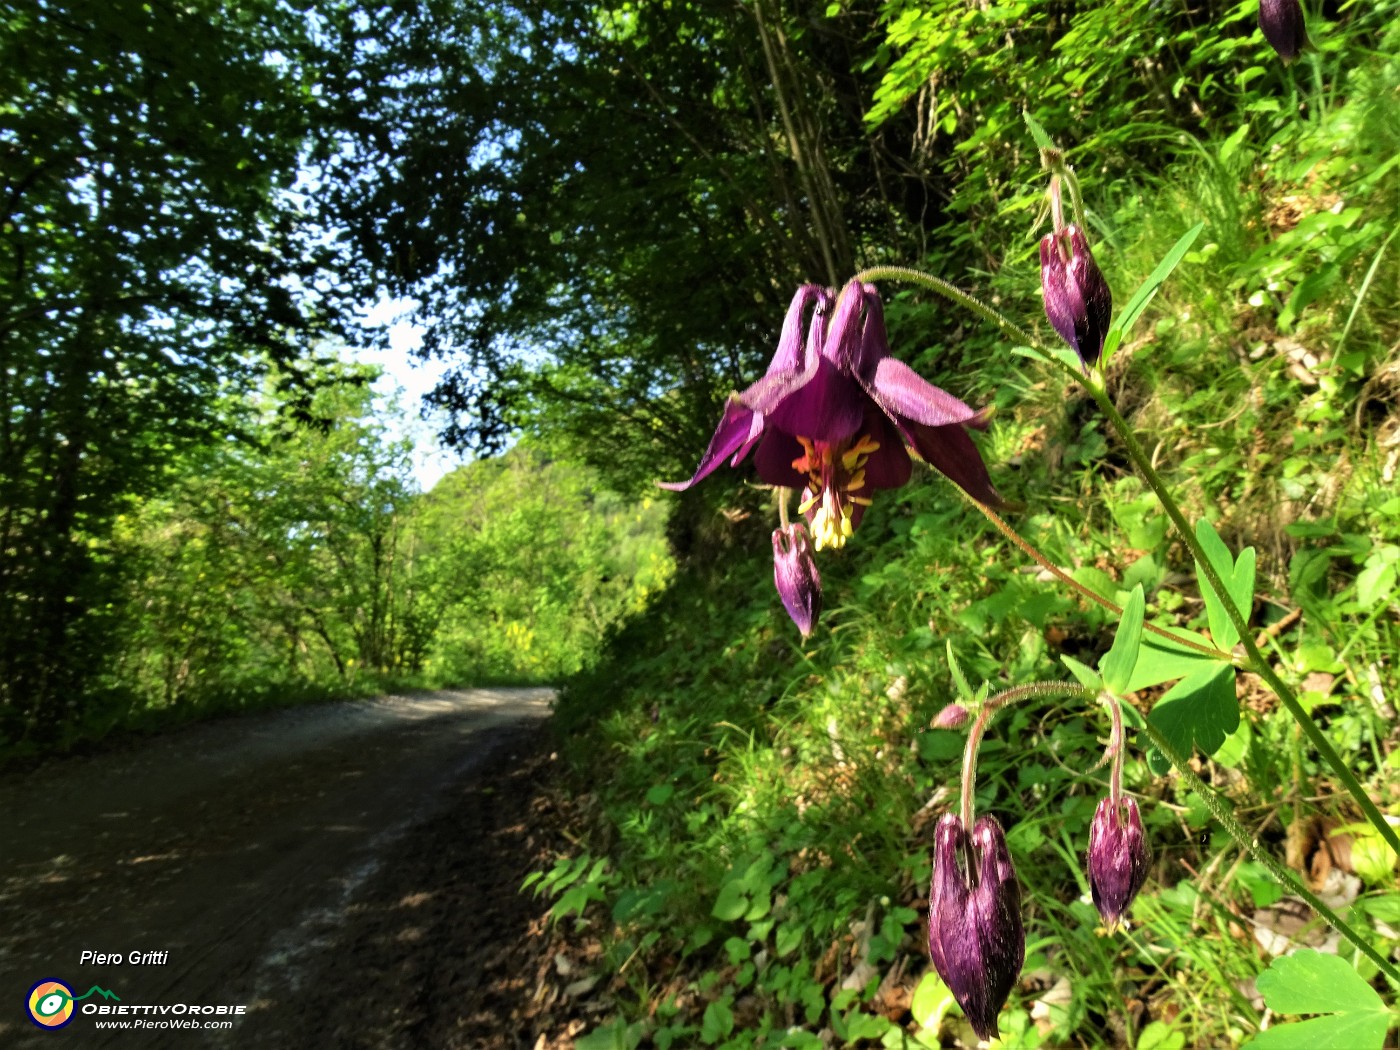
(832, 416)
(796, 577)
(1282, 24)
(975, 936)
(1119, 856)
(1077, 298)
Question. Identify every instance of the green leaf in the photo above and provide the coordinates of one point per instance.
(1160, 661)
(1355, 1031)
(1311, 982)
(1118, 663)
(1200, 711)
(732, 902)
(1138, 303)
(959, 680)
(1088, 677)
(658, 794)
(1042, 140)
(931, 1001)
(1056, 349)
(1236, 574)
(718, 1021)
(618, 1035)
(1159, 1036)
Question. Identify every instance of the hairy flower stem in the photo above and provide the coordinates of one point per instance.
(1055, 164)
(948, 291)
(985, 714)
(1220, 809)
(1084, 592)
(1118, 745)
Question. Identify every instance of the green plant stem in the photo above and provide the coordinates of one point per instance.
(1084, 592)
(948, 291)
(1221, 811)
(984, 717)
(1256, 659)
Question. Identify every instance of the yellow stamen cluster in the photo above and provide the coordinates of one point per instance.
(834, 472)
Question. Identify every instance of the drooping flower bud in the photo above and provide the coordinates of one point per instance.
(1077, 298)
(796, 577)
(975, 937)
(954, 716)
(1119, 856)
(1282, 24)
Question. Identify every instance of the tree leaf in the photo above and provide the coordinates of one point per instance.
(1355, 1031)
(1042, 140)
(1088, 677)
(1200, 711)
(1160, 1036)
(731, 903)
(931, 1001)
(959, 679)
(1118, 663)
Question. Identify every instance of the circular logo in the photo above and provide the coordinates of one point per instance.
(50, 1004)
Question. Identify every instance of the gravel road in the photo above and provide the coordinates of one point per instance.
(214, 867)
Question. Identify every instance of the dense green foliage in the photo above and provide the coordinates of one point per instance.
(150, 249)
(768, 807)
(308, 565)
(601, 212)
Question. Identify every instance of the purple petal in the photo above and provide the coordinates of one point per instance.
(874, 344)
(829, 407)
(843, 343)
(774, 459)
(951, 452)
(789, 355)
(1063, 302)
(737, 431)
(796, 577)
(889, 466)
(793, 366)
(1283, 27)
(901, 391)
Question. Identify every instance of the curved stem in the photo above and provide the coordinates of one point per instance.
(783, 493)
(989, 708)
(1221, 811)
(948, 291)
(1256, 660)
(1084, 592)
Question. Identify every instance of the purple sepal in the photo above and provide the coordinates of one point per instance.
(975, 937)
(1077, 298)
(1119, 856)
(796, 577)
(1282, 23)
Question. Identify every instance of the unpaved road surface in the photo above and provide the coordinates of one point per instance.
(232, 860)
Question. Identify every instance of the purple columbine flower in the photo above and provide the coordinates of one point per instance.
(1077, 299)
(833, 415)
(975, 935)
(1119, 856)
(796, 577)
(1282, 24)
